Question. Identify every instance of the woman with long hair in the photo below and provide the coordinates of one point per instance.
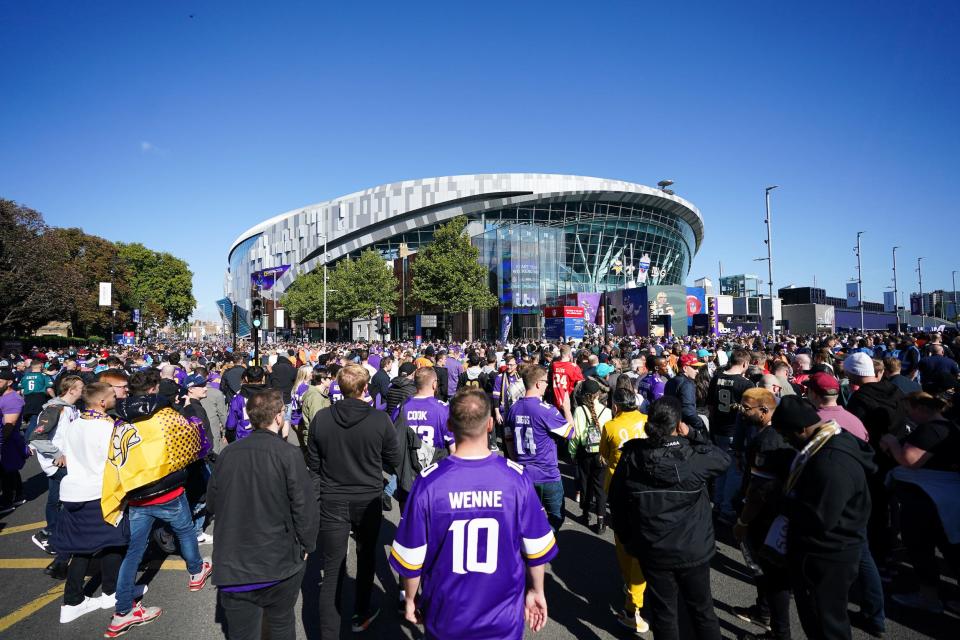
(588, 420)
(300, 386)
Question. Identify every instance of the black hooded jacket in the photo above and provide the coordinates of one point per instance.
(401, 389)
(830, 503)
(349, 446)
(135, 409)
(659, 503)
(879, 405)
(282, 376)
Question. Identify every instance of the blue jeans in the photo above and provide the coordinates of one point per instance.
(53, 498)
(727, 483)
(551, 497)
(177, 514)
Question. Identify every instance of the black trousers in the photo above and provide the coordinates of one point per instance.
(246, 611)
(773, 597)
(591, 483)
(661, 598)
(337, 519)
(12, 487)
(821, 588)
(110, 560)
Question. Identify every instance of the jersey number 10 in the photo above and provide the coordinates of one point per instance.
(466, 542)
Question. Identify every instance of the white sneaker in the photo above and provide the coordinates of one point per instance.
(109, 600)
(204, 538)
(70, 612)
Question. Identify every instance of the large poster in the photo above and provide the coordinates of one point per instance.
(696, 303)
(853, 295)
(669, 301)
(635, 315)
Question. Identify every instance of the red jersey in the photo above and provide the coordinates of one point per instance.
(564, 376)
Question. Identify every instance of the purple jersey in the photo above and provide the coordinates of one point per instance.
(500, 385)
(237, 418)
(529, 423)
(428, 417)
(469, 528)
(296, 404)
(651, 386)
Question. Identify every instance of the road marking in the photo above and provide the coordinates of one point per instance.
(170, 564)
(23, 527)
(31, 608)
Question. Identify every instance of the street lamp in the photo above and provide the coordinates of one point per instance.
(324, 236)
(953, 279)
(860, 281)
(923, 311)
(773, 327)
(896, 302)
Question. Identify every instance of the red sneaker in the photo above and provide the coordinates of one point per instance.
(140, 614)
(197, 580)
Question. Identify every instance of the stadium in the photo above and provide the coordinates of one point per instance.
(542, 236)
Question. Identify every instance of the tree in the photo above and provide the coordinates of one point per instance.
(303, 300)
(35, 285)
(92, 260)
(161, 285)
(447, 272)
(362, 288)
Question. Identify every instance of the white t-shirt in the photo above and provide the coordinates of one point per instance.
(86, 445)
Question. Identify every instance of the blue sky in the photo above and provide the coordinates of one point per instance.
(138, 122)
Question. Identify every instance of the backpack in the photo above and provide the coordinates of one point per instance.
(43, 426)
(480, 382)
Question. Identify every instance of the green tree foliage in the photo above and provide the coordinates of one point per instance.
(447, 272)
(93, 260)
(303, 300)
(47, 273)
(362, 287)
(35, 284)
(161, 285)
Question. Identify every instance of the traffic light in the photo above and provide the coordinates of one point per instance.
(257, 313)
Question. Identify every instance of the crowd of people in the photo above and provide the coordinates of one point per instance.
(826, 458)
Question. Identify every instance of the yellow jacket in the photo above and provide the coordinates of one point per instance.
(626, 426)
(143, 452)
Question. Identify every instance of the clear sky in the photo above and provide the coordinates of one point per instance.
(180, 124)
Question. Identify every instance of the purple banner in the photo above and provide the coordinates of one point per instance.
(266, 278)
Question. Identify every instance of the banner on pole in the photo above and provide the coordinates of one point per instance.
(106, 290)
(853, 295)
(266, 278)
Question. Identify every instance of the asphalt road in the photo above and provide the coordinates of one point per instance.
(583, 589)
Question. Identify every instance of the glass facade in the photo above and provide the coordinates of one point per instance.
(538, 253)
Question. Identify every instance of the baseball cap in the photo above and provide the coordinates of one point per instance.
(690, 360)
(407, 368)
(859, 364)
(194, 381)
(4, 364)
(7, 374)
(794, 414)
(824, 383)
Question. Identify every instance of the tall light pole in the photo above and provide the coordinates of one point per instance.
(324, 236)
(953, 278)
(923, 313)
(860, 282)
(896, 303)
(773, 326)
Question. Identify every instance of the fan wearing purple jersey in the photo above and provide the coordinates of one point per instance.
(426, 415)
(476, 536)
(529, 431)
